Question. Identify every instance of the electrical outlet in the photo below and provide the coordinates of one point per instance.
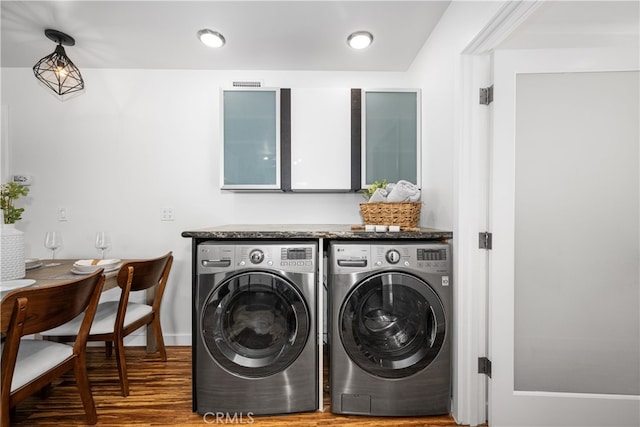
(166, 214)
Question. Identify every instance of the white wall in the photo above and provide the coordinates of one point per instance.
(139, 140)
(437, 70)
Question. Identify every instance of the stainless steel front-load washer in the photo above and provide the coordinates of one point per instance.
(255, 343)
(390, 328)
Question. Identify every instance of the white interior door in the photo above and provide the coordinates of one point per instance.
(564, 303)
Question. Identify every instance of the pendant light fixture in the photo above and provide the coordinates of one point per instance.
(56, 70)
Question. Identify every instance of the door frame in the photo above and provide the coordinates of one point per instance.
(474, 174)
(472, 215)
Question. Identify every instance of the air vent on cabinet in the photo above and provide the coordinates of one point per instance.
(247, 83)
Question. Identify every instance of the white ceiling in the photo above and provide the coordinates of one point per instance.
(263, 35)
(280, 35)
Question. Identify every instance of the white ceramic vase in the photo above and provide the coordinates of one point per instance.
(11, 253)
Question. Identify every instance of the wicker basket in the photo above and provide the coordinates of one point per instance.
(405, 214)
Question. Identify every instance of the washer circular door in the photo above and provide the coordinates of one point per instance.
(255, 324)
(392, 324)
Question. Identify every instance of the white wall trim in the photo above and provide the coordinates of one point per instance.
(140, 340)
(471, 218)
(508, 18)
(471, 213)
(4, 143)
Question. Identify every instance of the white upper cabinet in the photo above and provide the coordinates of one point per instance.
(390, 136)
(320, 139)
(251, 139)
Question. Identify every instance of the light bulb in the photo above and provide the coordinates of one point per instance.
(62, 72)
(211, 38)
(360, 39)
(61, 69)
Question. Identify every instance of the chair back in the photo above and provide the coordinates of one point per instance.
(50, 306)
(144, 274)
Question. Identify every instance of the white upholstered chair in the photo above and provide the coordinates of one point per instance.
(115, 320)
(29, 365)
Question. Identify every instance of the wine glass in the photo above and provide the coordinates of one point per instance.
(103, 242)
(53, 241)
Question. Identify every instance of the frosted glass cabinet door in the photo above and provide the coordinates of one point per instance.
(391, 136)
(251, 138)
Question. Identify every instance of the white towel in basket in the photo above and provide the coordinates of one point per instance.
(380, 195)
(404, 191)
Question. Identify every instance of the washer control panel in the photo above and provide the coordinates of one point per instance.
(292, 257)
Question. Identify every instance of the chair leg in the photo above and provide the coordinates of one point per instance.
(45, 391)
(84, 388)
(5, 412)
(122, 366)
(108, 348)
(159, 339)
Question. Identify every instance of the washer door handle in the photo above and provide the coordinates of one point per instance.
(434, 321)
(216, 262)
(352, 262)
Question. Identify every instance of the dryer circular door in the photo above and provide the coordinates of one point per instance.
(392, 324)
(255, 324)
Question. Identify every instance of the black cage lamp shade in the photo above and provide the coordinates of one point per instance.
(56, 70)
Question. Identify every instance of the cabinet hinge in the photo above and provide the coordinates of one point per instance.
(486, 95)
(485, 240)
(484, 366)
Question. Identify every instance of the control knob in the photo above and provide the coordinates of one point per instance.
(256, 256)
(393, 256)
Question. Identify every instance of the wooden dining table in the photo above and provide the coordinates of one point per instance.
(54, 271)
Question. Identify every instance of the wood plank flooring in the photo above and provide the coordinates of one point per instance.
(160, 395)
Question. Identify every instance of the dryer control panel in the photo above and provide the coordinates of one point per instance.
(432, 258)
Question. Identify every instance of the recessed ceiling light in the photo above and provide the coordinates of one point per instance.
(360, 39)
(211, 38)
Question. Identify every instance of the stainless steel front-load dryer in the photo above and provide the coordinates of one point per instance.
(390, 328)
(255, 344)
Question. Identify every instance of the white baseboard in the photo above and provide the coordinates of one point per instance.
(140, 340)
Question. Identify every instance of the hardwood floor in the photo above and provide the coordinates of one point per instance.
(160, 395)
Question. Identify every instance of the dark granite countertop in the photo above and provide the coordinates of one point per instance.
(309, 231)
